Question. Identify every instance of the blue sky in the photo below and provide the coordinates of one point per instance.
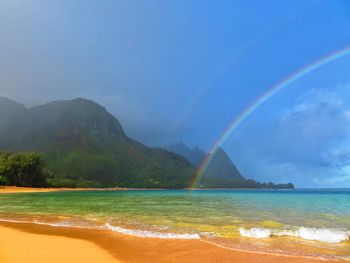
(183, 70)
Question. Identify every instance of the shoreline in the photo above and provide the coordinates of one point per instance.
(116, 247)
(127, 246)
(18, 189)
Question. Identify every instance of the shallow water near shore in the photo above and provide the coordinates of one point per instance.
(311, 223)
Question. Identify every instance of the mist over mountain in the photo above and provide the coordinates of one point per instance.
(84, 145)
(194, 155)
(9, 110)
(221, 171)
(221, 168)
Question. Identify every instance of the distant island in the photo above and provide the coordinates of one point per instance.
(77, 143)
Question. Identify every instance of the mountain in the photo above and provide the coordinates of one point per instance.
(194, 155)
(84, 145)
(221, 171)
(222, 167)
(9, 110)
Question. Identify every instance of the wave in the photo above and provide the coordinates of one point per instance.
(54, 224)
(152, 234)
(255, 232)
(202, 237)
(107, 226)
(326, 235)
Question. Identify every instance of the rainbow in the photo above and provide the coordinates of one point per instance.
(262, 99)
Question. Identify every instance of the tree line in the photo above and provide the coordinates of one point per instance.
(25, 169)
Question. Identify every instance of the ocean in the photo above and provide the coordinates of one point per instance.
(307, 222)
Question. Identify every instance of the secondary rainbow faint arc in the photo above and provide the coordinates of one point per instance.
(263, 98)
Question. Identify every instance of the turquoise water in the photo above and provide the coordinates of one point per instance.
(244, 219)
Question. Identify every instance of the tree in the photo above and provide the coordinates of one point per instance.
(22, 169)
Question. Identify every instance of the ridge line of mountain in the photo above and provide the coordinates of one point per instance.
(83, 145)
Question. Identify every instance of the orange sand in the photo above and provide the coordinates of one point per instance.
(19, 247)
(38, 243)
(14, 189)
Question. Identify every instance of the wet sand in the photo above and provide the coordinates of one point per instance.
(14, 189)
(39, 243)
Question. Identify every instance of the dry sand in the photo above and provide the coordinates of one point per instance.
(19, 247)
(14, 189)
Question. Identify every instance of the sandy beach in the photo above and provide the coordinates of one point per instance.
(17, 247)
(18, 242)
(42, 243)
(14, 189)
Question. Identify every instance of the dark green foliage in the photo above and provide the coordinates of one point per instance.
(85, 146)
(3, 180)
(242, 183)
(22, 169)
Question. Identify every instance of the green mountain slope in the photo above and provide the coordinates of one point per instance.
(221, 171)
(84, 145)
(194, 155)
(222, 167)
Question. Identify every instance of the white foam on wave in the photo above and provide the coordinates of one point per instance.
(54, 224)
(15, 221)
(66, 224)
(151, 234)
(126, 231)
(255, 232)
(107, 226)
(57, 224)
(326, 235)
